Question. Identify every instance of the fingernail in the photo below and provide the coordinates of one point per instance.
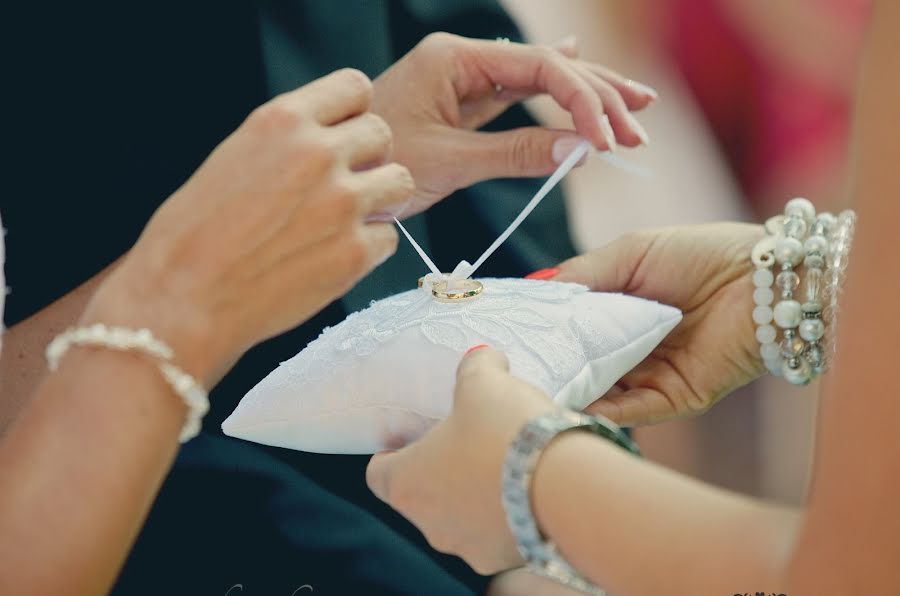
(473, 348)
(388, 216)
(608, 135)
(645, 89)
(638, 129)
(543, 274)
(563, 147)
(569, 41)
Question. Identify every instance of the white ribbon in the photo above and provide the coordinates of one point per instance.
(464, 270)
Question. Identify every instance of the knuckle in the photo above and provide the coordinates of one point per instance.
(438, 41)
(355, 256)
(344, 202)
(313, 155)
(277, 114)
(360, 82)
(402, 178)
(441, 542)
(523, 153)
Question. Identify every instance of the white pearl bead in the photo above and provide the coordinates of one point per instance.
(789, 250)
(812, 329)
(770, 351)
(762, 315)
(800, 207)
(787, 314)
(816, 244)
(797, 376)
(765, 334)
(763, 278)
(763, 296)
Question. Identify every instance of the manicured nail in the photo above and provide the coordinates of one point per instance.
(645, 89)
(608, 135)
(544, 274)
(639, 130)
(569, 41)
(473, 348)
(565, 146)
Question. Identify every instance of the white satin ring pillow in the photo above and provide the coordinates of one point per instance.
(389, 371)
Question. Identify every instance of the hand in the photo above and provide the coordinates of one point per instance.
(279, 220)
(705, 271)
(448, 483)
(437, 95)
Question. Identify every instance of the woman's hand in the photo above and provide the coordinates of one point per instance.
(437, 95)
(281, 219)
(448, 483)
(705, 271)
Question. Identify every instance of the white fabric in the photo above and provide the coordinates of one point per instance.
(388, 371)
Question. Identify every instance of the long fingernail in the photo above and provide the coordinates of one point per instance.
(563, 147)
(569, 41)
(608, 135)
(543, 274)
(638, 129)
(473, 348)
(645, 89)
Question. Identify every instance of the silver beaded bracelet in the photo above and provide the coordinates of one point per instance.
(541, 555)
(123, 339)
(821, 243)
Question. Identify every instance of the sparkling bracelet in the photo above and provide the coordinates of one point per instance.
(817, 241)
(541, 555)
(142, 341)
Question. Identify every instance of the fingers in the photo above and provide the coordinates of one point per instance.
(523, 68)
(479, 361)
(335, 97)
(380, 243)
(523, 152)
(363, 140)
(637, 96)
(628, 131)
(388, 190)
(634, 407)
(378, 475)
(610, 268)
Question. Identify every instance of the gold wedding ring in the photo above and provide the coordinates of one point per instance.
(464, 290)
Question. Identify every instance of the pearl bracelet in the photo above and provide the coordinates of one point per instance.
(142, 341)
(816, 241)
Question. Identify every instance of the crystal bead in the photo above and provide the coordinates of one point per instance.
(770, 351)
(795, 227)
(763, 278)
(763, 296)
(811, 309)
(813, 280)
(766, 334)
(762, 315)
(814, 355)
(787, 314)
(827, 221)
(792, 347)
(787, 280)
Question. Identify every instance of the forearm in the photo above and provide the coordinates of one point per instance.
(606, 510)
(22, 365)
(79, 469)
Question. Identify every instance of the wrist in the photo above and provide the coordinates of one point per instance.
(132, 299)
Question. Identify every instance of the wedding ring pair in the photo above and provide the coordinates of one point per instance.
(465, 289)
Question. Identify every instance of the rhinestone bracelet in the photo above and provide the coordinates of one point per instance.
(799, 236)
(142, 341)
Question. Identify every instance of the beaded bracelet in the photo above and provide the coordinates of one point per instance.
(120, 338)
(799, 236)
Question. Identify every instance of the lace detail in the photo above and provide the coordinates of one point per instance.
(506, 314)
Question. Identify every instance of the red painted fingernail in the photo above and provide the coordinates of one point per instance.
(549, 273)
(473, 348)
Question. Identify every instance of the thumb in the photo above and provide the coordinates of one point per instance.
(611, 268)
(378, 474)
(519, 153)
